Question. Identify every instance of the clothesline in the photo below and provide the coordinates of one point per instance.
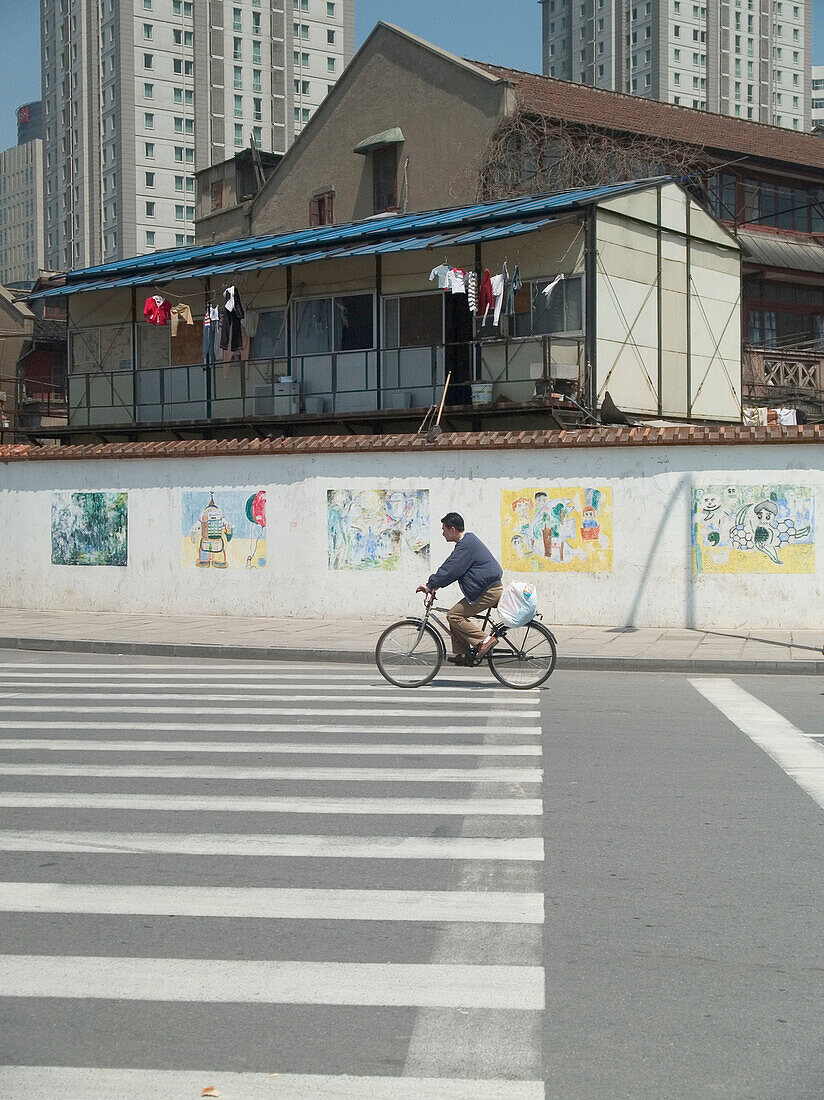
(485, 291)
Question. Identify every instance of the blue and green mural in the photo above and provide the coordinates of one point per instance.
(89, 528)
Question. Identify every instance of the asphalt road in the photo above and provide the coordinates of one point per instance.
(295, 881)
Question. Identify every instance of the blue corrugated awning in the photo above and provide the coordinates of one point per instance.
(373, 236)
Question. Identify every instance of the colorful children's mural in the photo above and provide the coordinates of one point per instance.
(224, 529)
(89, 528)
(753, 529)
(377, 529)
(557, 530)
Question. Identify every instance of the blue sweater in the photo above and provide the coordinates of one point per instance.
(471, 565)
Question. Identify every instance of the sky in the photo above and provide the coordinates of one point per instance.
(507, 32)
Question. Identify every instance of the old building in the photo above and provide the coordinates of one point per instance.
(410, 126)
(630, 290)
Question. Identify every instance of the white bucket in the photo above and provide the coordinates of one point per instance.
(481, 393)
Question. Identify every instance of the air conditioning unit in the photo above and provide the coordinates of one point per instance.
(278, 399)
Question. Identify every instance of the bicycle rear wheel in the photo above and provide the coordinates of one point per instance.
(524, 657)
(409, 653)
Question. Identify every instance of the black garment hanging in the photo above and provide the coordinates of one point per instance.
(231, 335)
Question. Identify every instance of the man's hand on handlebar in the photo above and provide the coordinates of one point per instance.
(429, 594)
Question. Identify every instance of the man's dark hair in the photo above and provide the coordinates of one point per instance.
(452, 519)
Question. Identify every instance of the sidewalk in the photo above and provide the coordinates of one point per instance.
(579, 647)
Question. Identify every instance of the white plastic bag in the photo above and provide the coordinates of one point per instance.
(518, 604)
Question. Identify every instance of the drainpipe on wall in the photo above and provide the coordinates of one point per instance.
(134, 359)
(689, 313)
(660, 308)
(590, 342)
(378, 334)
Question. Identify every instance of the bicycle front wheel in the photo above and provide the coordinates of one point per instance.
(524, 657)
(409, 653)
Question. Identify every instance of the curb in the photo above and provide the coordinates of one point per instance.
(339, 656)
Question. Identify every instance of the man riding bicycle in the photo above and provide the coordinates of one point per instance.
(479, 576)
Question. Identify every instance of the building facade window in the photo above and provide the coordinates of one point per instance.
(384, 179)
(322, 209)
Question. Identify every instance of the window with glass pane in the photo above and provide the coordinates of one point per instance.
(415, 321)
(383, 179)
(354, 325)
(269, 342)
(563, 313)
(785, 214)
(313, 326)
(817, 211)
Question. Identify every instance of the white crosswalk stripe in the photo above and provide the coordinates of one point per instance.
(292, 845)
(403, 927)
(409, 774)
(47, 1082)
(281, 749)
(490, 728)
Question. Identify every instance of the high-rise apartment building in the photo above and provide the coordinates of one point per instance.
(746, 58)
(139, 94)
(21, 208)
(818, 95)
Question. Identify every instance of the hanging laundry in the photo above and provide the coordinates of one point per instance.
(180, 314)
(513, 288)
(498, 290)
(754, 416)
(211, 322)
(551, 286)
(486, 299)
(456, 280)
(441, 273)
(231, 335)
(251, 321)
(787, 417)
(472, 291)
(157, 310)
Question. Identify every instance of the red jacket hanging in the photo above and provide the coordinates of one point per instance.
(157, 310)
(486, 299)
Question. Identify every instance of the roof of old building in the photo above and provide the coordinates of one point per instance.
(564, 99)
(456, 225)
(780, 251)
(667, 436)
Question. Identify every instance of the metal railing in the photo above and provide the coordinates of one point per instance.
(781, 374)
(337, 383)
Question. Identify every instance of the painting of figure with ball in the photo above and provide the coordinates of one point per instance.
(753, 529)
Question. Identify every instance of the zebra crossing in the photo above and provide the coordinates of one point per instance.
(276, 880)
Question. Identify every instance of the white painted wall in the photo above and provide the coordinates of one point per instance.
(651, 583)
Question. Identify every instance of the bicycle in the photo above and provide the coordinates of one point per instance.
(410, 653)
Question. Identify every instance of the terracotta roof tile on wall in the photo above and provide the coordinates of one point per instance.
(563, 99)
(648, 436)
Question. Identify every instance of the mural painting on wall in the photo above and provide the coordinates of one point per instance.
(377, 529)
(559, 530)
(753, 529)
(89, 528)
(224, 529)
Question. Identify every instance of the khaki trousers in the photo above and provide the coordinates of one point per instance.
(465, 631)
